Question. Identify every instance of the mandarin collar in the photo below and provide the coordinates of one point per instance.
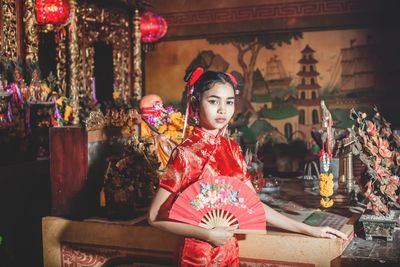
(206, 136)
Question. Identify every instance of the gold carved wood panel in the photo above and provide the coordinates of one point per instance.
(112, 27)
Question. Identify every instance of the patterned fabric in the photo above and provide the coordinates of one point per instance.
(204, 154)
(198, 253)
(188, 161)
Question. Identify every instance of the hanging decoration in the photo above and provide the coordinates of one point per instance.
(326, 176)
(152, 27)
(51, 13)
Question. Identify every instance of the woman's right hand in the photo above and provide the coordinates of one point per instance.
(219, 236)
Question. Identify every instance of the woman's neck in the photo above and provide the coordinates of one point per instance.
(213, 132)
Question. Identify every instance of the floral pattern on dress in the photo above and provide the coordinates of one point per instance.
(187, 162)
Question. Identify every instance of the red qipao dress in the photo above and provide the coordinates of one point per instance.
(204, 154)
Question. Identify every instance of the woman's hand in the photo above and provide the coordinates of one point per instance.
(219, 236)
(326, 232)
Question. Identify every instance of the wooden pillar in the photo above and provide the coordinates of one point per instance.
(9, 45)
(74, 62)
(20, 30)
(137, 57)
(130, 62)
(30, 31)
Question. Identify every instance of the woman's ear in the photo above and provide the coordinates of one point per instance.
(194, 102)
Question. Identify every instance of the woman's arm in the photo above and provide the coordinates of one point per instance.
(278, 220)
(217, 236)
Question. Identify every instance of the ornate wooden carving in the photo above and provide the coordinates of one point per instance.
(111, 26)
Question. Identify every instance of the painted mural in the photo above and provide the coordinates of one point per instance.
(284, 78)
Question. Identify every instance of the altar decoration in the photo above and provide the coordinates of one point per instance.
(124, 120)
(311, 176)
(326, 176)
(167, 121)
(377, 146)
(63, 112)
(220, 201)
(38, 89)
(326, 189)
(129, 186)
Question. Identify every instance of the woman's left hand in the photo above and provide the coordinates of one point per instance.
(326, 232)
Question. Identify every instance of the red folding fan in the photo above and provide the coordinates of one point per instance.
(220, 201)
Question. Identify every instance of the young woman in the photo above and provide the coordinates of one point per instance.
(206, 151)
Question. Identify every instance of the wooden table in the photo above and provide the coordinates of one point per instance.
(95, 242)
(374, 253)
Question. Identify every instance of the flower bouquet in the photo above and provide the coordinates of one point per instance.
(378, 148)
(63, 111)
(167, 121)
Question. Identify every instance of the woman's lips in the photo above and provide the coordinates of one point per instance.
(220, 120)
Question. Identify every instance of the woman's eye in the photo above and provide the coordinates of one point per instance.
(230, 102)
(212, 102)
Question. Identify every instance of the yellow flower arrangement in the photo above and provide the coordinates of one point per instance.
(173, 128)
(326, 189)
(326, 203)
(68, 111)
(177, 119)
(326, 184)
(162, 128)
(63, 111)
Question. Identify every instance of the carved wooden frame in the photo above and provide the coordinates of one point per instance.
(113, 27)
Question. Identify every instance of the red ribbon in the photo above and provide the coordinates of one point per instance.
(233, 79)
(194, 77)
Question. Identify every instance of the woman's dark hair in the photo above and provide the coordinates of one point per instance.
(207, 80)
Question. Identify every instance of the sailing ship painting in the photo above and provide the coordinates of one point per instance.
(358, 66)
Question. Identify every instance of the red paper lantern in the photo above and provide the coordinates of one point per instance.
(55, 12)
(152, 27)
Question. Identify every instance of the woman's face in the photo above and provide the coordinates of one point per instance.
(217, 106)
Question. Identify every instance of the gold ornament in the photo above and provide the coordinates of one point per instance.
(31, 32)
(9, 38)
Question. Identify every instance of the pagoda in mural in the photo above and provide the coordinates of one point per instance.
(308, 96)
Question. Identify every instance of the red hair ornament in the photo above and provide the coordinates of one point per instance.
(191, 80)
(234, 81)
(194, 76)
